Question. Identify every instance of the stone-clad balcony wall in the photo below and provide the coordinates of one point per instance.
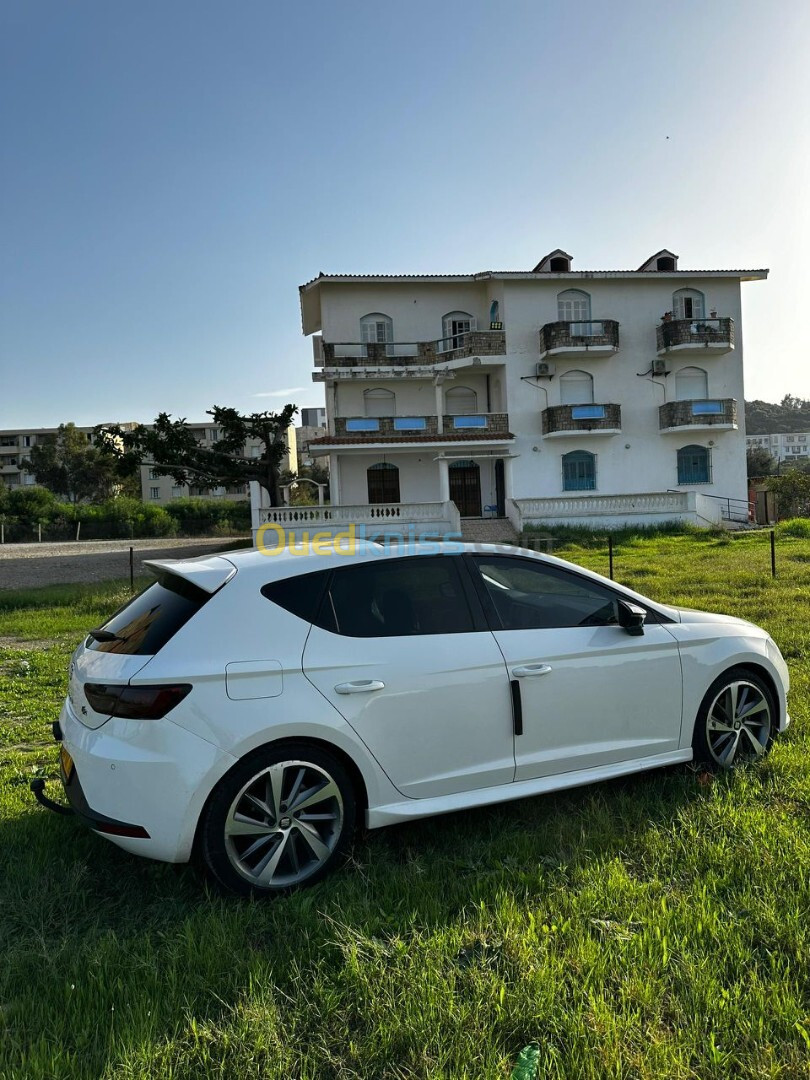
(719, 412)
(385, 426)
(578, 419)
(368, 429)
(580, 336)
(695, 336)
(424, 353)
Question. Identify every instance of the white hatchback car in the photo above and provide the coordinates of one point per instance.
(252, 709)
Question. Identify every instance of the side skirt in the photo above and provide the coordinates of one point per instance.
(411, 809)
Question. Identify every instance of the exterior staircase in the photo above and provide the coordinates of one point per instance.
(488, 531)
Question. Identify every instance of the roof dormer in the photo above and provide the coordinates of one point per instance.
(556, 262)
(661, 262)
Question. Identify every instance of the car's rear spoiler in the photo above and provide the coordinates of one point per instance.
(209, 573)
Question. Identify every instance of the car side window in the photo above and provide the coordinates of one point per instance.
(529, 595)
(300, 595)
(397, 598)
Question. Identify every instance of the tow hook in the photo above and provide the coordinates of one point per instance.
(38, 788)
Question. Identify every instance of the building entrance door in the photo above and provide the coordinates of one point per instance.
(465, 487)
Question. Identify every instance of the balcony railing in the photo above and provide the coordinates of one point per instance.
(699, 335)
(369, 428)
(576, 419)
(719, 412)
(403, 353)
(589, 335)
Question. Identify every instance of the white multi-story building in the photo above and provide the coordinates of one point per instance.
(547, 396)
(783, 446)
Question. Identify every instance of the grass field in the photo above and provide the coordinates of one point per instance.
(654, 927)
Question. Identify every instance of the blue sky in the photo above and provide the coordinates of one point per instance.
(171, 171)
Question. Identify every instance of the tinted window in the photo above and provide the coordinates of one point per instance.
(144, 625)
(300, 595)
(397, 598)
(527, 595)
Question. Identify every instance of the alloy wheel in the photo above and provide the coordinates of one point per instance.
(284, 824)
(738, 724)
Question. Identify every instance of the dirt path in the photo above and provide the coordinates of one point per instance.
(24, 566)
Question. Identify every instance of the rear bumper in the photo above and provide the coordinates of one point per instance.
(99, 822)
(140, 783)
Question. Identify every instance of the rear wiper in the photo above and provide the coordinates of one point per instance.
(105, 635)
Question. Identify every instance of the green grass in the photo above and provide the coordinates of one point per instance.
(657, 927)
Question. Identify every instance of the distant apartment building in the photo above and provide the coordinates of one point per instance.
(783, 446)
(315, 417)
(16, 445)
(304, 436)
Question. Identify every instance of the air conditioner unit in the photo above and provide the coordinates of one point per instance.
(659, 367)
(544, 370)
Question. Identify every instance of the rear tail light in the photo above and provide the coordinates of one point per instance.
(134, 702)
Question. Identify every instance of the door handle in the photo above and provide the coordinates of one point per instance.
(361, 686)
(528, 670)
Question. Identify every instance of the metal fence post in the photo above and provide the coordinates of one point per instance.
(773, 553)
(132, 569)
(610, 556)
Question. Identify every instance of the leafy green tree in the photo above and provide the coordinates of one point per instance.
(759, 461)
(793, 492)
(171, 448)
(68, 465)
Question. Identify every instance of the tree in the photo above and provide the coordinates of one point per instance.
(68, 465)
(793, 492)
(171, 448)
(759, 461)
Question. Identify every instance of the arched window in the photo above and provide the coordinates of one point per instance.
(379, 402)
(383, 483)
(461, 400)
(665, 262)
(691, 384)
(576, 388)
(454, 324)
(579, 471)
(694, 465)
(574, 306)
(376, 329)
(688, 304)
(559, 264)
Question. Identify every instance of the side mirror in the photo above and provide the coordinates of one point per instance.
(631, 617)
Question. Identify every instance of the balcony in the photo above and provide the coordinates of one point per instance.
(695, 337)
(589, 337)
(562, 420)
(405, 354)
(367, 430)
(701, 415)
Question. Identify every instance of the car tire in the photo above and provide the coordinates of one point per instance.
(282, 818)
(736, 720)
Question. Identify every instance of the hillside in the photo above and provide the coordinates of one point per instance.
(764, 418)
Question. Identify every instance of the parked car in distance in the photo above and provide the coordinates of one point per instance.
(252, 710)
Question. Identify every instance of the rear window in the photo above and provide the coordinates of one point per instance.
(144, 625)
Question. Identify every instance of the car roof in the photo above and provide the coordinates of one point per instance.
(292, 562)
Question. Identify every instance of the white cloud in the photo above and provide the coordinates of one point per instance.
(282, 393)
